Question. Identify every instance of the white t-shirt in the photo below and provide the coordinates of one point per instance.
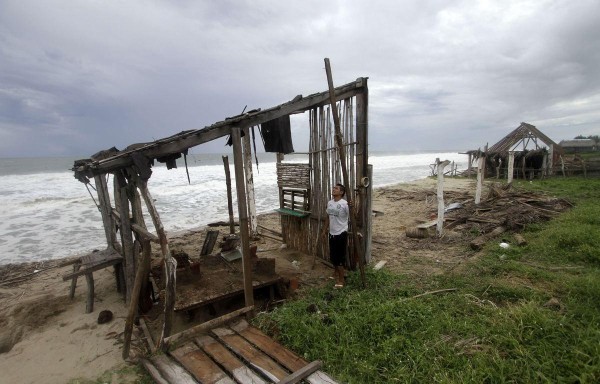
(338, 216)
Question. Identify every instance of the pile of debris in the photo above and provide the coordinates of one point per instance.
(504, 209)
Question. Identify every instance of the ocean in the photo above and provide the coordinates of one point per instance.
(45, 213)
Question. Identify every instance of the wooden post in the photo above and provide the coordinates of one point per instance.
(368, 206)
(126, 235)
(140, 276)
(544, 166)
(469, 166)
(229, 198)
(480, 177)
(440, 195)
(170, 263)
(243, 215)
(511, 166)
(249, 182)
(550, 159)
(342, 151)
(105, 210)
(284, 231)
(362, 164)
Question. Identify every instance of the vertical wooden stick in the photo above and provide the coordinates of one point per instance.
(105, 210)
(342, 151)
(243, 214)
(249, 182)
(440, 195)
(229, 198)
(480, 176)
(126, 235)
(141, 274)
(511, 167)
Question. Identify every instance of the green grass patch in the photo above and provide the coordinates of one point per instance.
(523, 314)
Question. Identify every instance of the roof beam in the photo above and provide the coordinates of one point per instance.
(188, 139)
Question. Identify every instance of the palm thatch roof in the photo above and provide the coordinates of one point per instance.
(523, 136)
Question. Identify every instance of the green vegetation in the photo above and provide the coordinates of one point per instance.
(523, 314)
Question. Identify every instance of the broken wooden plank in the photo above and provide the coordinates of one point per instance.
(209, 242)
(478, 242)
(234, 366)
(257, 359)
(379, 265)
(190, 332)
(302, 373)
(278, 352)
(171, 371)
(153, 371)
(200, 365)
(282, 355)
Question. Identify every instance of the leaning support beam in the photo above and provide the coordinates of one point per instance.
(206, 326)
(170, 262)
(243, 215)
(105, 210)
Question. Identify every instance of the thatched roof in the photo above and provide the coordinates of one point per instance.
(524, 134)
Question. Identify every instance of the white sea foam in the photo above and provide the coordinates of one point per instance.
(45, 213)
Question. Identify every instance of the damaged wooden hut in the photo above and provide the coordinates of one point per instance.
(525, 153)
(120, 179)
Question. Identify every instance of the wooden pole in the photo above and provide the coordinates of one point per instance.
(243, 215)
(126, 235)
(511, 166)
(140, 276)
(480, 176)
(170, 262)
(105, 210)
(284, 231)
(249, 182)
(342, 151)
(440, 196)
(229, 198)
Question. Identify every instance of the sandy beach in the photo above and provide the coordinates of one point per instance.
(47, 337)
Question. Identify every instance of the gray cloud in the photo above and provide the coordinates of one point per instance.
(79, 77)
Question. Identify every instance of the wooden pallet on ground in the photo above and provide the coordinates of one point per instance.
(238, 353)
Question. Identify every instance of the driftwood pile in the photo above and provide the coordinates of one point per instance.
(504, 209)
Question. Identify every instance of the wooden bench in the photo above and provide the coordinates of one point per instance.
(295, 202)
(87, 265)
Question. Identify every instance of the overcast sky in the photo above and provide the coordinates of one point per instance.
(80, 76)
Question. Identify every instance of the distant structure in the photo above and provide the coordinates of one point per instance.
(578, 145)
(525, 152)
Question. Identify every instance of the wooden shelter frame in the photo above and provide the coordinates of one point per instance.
(514, 147)
(131, 169)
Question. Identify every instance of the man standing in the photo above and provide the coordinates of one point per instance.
(337, 223)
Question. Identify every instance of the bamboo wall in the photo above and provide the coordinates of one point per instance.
(303, 234)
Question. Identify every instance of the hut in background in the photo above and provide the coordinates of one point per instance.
(578, 145)
(524, 153)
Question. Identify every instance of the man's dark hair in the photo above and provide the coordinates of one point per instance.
(342, 188)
